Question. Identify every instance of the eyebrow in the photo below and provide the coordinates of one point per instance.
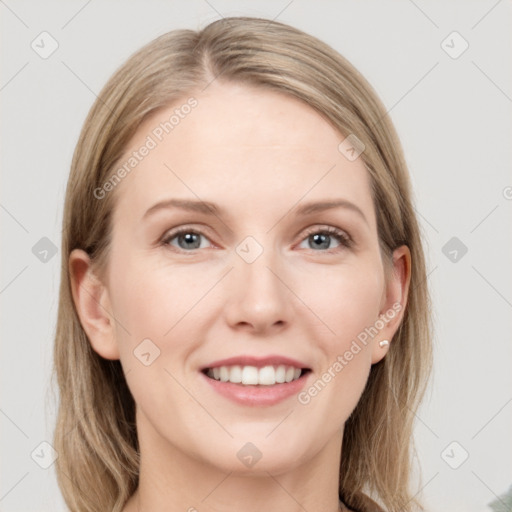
(208, 208)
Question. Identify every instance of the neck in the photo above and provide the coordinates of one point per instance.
(171, 480)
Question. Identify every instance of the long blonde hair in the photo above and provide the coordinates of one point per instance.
(95, 436)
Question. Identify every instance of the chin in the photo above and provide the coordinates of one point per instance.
(253, 454)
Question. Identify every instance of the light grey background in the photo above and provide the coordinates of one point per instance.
(453, 117)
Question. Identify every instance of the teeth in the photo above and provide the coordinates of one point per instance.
(224, 374)
(249, 375)
(280, 374)
(267, 376)
(235, 374)
(252, 376)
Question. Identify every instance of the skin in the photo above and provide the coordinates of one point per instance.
(295, 300)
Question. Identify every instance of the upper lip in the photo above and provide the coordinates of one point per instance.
(259, 362)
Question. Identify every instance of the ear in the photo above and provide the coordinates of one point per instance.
(93, 305)
(394, 301)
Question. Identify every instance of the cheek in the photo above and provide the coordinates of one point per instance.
(349, 307)
(149, 300)
(155, 305)
(347, 298)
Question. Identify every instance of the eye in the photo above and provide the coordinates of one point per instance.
(187, 239)
(322, 238)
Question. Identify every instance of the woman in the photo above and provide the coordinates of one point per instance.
(243, 318)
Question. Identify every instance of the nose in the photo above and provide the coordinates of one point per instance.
(258, 300)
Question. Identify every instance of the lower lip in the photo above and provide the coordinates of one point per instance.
(257, 395)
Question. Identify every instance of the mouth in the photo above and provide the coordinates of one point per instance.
(251, 381)
(248, 375)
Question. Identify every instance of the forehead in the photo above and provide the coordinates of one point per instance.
(247, 147)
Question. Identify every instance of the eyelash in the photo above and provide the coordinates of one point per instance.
(342, 237)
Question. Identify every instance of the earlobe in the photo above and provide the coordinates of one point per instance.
(92, 304)
(394, 302)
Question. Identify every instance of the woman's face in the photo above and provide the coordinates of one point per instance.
(259, 277)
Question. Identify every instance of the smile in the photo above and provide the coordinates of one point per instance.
(254, 376)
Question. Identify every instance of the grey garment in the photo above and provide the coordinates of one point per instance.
(361, 503)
